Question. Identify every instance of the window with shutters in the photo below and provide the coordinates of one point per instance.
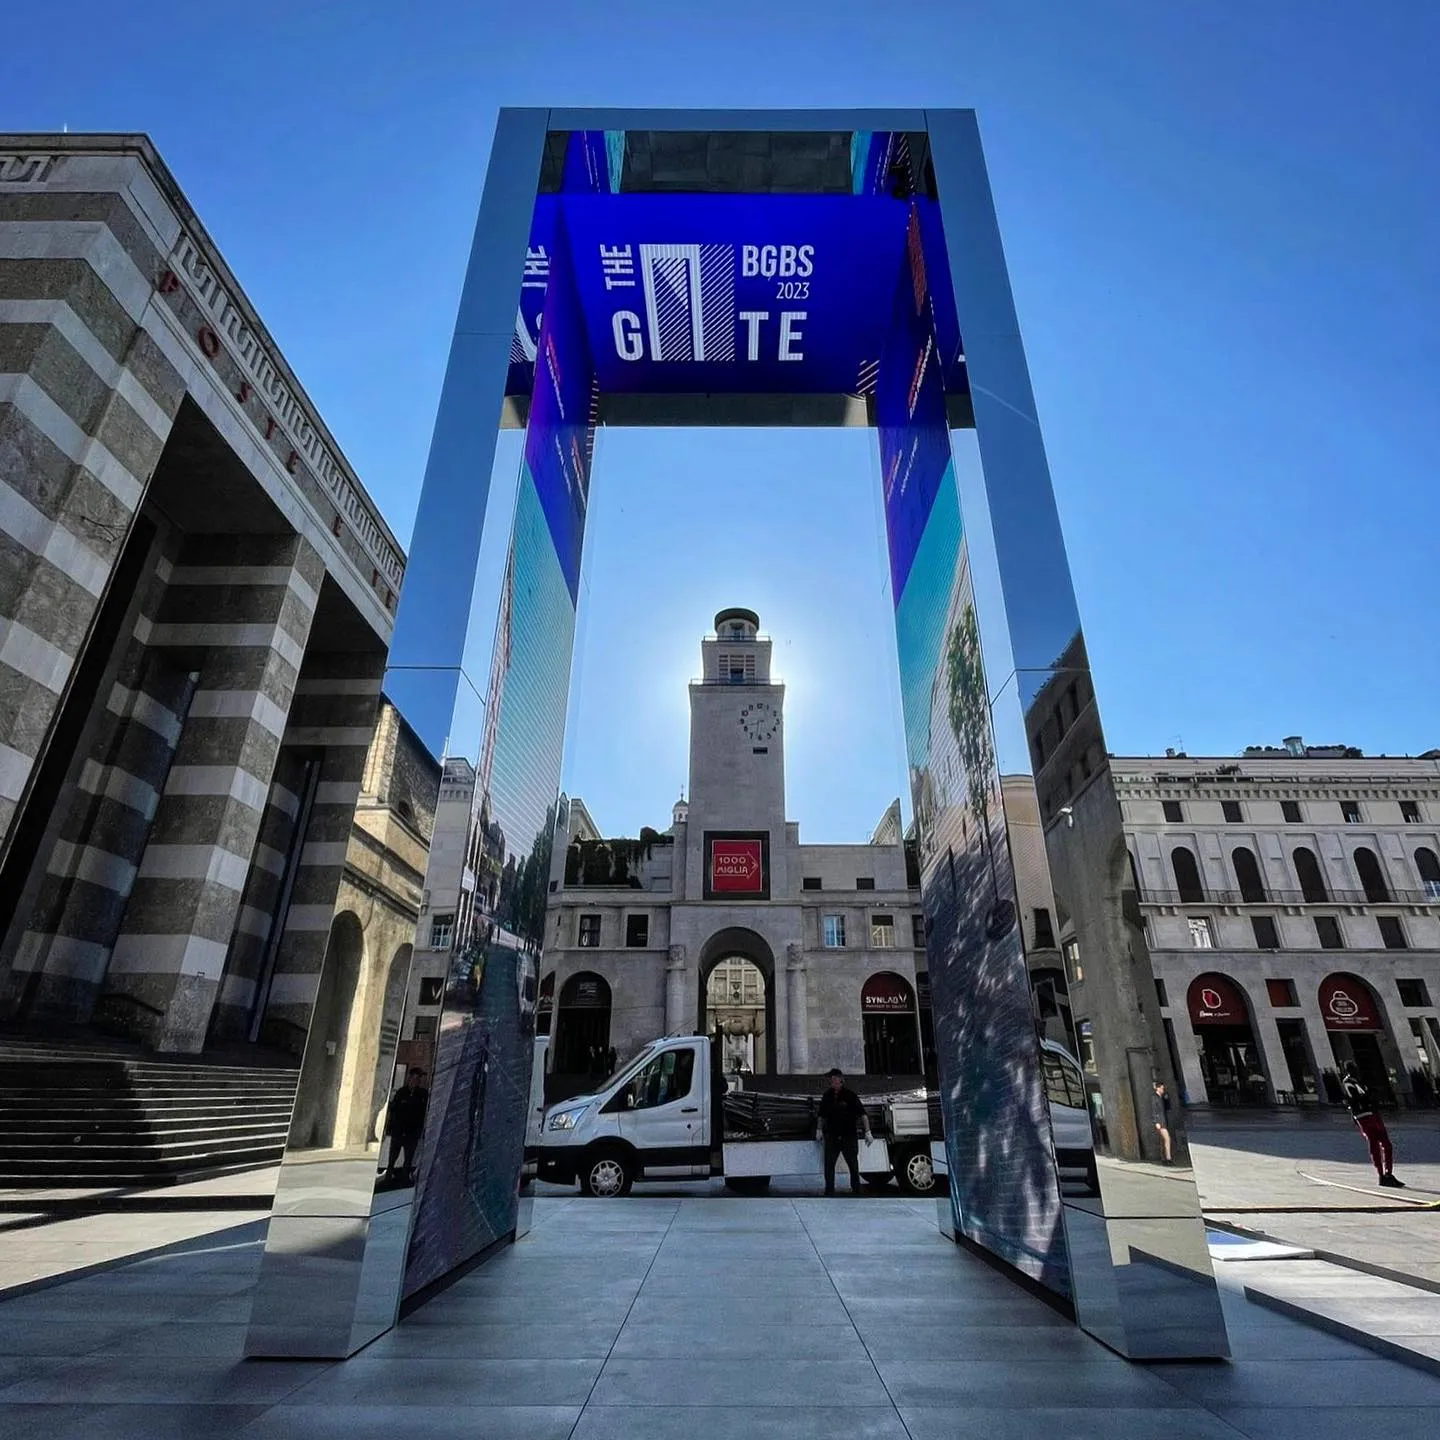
(736, 667)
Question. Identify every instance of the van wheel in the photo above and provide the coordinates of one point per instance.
(747, 1184)
(917, 1173)
(606, 1175)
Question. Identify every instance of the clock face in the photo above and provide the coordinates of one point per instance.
(760, 721)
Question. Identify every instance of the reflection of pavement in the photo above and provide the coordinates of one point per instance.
(1140, 1188)
(1310, 1182)
(49, 1233)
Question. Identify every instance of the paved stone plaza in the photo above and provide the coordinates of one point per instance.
(657, 1316)
(1309, 1182)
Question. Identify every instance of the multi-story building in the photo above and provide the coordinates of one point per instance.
(1291, 906)
(806, 956)
(194, 619)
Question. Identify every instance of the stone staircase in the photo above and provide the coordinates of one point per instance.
(94, 1116)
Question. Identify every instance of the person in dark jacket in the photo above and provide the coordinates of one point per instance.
(841, 1113)
(1372, 1127)
(1160, 1116)
(404, 1122)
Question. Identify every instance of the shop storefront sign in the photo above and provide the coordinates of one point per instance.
(1346, 1004)
(886, 995)
(1215, 1000)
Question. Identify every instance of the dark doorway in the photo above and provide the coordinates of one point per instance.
(891, 1029)
(1298, 1060)
(582, 1029)
(1230, 1059)
(1353, 1021)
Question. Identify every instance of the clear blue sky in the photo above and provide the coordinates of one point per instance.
(1223, 229)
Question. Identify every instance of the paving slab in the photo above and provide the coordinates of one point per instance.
(677, 1316)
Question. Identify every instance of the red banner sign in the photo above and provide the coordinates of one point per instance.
(736, 867)
(1346, 1004)
(886, 994)
(1214, 1000)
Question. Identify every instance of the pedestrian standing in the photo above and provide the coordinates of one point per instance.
(841, 1112)
(405, 1122)
(1372, 1127)
(1160, 1117)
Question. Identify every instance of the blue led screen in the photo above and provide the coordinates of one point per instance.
(470, 1165)
(731, 294)
(997, 1133)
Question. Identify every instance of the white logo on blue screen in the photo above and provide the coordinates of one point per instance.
(689, 312)
(684, 303)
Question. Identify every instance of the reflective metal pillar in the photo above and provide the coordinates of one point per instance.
(1140, 1272)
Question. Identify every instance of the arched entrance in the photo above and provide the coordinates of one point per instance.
(1353, 1021)
(735, 1008)
(392, 1059)
(582, 1029)
(322, 1072)
(888, 1019)
(1230, 1059)
(743, 1007)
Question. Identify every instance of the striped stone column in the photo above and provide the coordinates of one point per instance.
(263, 896)
(87, 400)
(334, 715)
(61, 960)
(241, 607)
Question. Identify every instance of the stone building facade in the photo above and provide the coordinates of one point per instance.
(363, 1001)
(1291, 904)
(196, 598)
(635, 929)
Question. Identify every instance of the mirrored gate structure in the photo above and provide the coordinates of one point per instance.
(772, 269)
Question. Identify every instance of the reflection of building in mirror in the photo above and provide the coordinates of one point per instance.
(1289, 896)
(1101, 991)
(678, 930)
(360, 1016)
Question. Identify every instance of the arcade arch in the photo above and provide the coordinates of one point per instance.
(733, 954)
(582, 1027)
(1355, 1022)
(890, 1025)
(1231, 1060)
(319, 1095)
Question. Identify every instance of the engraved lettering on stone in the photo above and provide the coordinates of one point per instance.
(190, 264)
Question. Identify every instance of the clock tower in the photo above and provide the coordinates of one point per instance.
(737, 746)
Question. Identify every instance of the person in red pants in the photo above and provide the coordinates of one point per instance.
(1372, 1127)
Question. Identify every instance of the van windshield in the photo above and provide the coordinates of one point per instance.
(625, 1072)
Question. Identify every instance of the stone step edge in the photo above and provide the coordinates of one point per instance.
(1331, 1257)
(1392, 1349)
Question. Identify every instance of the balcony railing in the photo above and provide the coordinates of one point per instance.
(1289, 897)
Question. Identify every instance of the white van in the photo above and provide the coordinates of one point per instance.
(661, 1116)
